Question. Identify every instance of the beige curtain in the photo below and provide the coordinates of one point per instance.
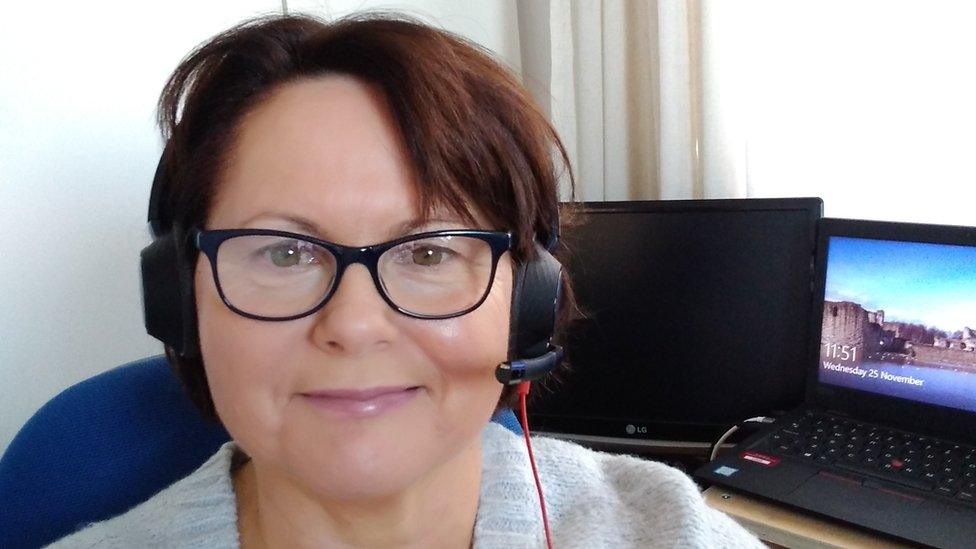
(630, 87)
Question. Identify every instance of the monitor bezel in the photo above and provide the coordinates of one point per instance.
(647, 428)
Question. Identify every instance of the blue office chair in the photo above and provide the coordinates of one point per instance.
(103, 446)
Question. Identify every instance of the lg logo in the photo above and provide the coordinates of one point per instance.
(636, 430)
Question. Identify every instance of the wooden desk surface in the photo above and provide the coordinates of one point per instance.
(785, 527)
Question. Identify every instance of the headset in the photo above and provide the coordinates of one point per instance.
(169, 304)
(536, 297)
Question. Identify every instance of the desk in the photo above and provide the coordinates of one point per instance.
(780, 526)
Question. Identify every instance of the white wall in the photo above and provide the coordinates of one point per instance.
(77, 152)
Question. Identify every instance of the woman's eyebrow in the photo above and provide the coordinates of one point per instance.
(305, 225)
(309, 227)
(412, 225)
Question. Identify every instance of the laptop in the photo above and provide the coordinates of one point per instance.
(886, 437)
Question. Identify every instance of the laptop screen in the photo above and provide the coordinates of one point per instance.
(899, 320)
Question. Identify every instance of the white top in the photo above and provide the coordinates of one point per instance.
(594, 499)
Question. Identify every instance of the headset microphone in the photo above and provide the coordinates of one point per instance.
(514, 372)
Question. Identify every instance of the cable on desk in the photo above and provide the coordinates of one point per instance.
(733, 429)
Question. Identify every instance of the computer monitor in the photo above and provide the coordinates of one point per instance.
(696, 316)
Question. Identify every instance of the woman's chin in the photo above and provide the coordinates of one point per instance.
(365, 468)
(363, 455)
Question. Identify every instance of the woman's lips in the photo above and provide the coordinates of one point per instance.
(361, 403)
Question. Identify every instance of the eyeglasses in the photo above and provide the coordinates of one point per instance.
(277, 275)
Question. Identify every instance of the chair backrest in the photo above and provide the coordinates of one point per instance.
(103, 446)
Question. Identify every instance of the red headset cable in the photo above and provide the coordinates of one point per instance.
(523, 391)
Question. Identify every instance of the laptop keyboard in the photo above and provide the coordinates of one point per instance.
(919, 462)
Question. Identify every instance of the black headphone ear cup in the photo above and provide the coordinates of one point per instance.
(536, 292)
(167, 296)
(518, 285)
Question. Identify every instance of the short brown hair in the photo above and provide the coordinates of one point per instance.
(472, 132)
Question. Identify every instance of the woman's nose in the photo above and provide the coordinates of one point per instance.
(356, 320)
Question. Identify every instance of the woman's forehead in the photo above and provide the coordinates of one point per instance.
(331, 129)
(328, 151)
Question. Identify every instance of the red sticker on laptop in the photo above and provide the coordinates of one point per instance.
(761, 459)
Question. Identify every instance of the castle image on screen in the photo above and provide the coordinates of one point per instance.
(848, 323)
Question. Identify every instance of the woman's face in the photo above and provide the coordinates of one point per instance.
(326, 151)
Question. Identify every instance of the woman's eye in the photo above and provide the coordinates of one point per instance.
(289, 255)
(429, 255)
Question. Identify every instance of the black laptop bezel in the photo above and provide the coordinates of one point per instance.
(940, 421)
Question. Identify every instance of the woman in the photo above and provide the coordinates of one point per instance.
(358, 394)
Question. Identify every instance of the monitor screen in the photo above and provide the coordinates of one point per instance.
(898, 320)
(696, 317)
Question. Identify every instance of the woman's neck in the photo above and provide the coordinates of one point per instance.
(438, 510)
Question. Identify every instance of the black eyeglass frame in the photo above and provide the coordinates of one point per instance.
(209, 241)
